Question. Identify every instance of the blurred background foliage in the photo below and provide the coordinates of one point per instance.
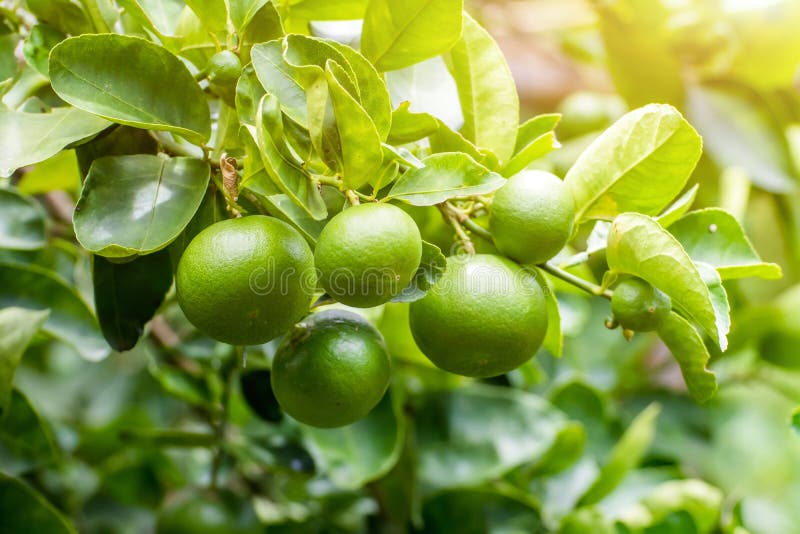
(601, 440)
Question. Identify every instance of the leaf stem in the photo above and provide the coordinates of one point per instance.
(576, 281)
(452, 217)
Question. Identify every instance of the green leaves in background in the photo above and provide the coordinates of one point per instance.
(24, 509)
(70, 319)
(460, 428)
(535, 138)
(626, 455)
(127, 295)
(356, 454)
(638, 245)
(487, 92)
(22, 226)
(130, 81)
(639, 164)
(740, 132)
(33, 137)
(478, 511)
(25, 436)
(396, 35)
(446, 175)
(692, 355)
(714, 236)
(138, 204)
(17, 328)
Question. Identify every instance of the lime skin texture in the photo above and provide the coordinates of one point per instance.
(484, 317)
(331, 370)
(532, 217)
(246, 281)
(638, 306)
(367, 254)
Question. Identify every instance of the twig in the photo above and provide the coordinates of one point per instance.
(576, 281)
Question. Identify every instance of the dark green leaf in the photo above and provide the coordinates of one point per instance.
(486, 90)
(355, 454)
(22, 226)
(625, 455)
(639, 164)
(638, 245)
(478, 511)
(444, 176)
(17, 328)
(37, 136)
(138, 204)
(24, 434)
(692, 355)
(398, 35)
(130, 81)
(70, 319)
(713, 236)
(25, 510)
(64, 15)
(126, 295)
(38, 45)
(431, 267)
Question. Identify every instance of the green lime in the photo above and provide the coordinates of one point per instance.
(224, 68)
(639, 306)
(257, 392)
(367, 254)
(532, 216)
(246, 281)
(485, 316)
(205, 512)
(332, 370)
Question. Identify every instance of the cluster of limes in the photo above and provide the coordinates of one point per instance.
(246, 281)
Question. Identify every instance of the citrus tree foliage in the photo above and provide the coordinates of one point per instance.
(126, 111)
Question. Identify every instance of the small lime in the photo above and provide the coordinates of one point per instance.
(224, 68)
(532, 217)
(639, 306)
(484, 317)
(332, 370)
(367, 254)
(246, 281)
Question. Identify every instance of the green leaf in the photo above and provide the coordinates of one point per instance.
(541, 146)
(23, 224)
(17, 328)
(639, 164)
(677, 209)
(535, 127)
(138, 204)
(360, 143)
(486, 90)
(24, 435)
(130, 81)
(714, 236)
(396, 35)
(180, 384)
(481, 511)
(461, 441)
(444, 176)
(34, 137)
(38, 44)
(372, 92)
(355, 454)
(285, 172)
(700, 499)
(25, 510)
(243, 11)
(70, 320)
(64, 15)
(279, 79)
(431, 268)
(212, 13)
(640, 52)
(740, 133)
(408, 126)
(58, 172)
(625, 455)
(444, 139)
(638, 245)
(327, 9)
(692, 355)
(157, 16)
(127, 295)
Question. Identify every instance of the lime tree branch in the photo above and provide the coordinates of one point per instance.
(576, 281)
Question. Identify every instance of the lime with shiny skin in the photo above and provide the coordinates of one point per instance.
(638, 306)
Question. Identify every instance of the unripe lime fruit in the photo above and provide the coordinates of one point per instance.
(246, 281)
(224, 68)
(485, 316)
(532, 217)
(639, 306)
(367, 254)
(332, 370)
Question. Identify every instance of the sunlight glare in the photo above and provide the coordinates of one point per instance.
(732, 6)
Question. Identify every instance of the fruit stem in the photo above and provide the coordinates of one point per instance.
(352, 197)
(576, 281)
(451, 216)
(477, 229)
